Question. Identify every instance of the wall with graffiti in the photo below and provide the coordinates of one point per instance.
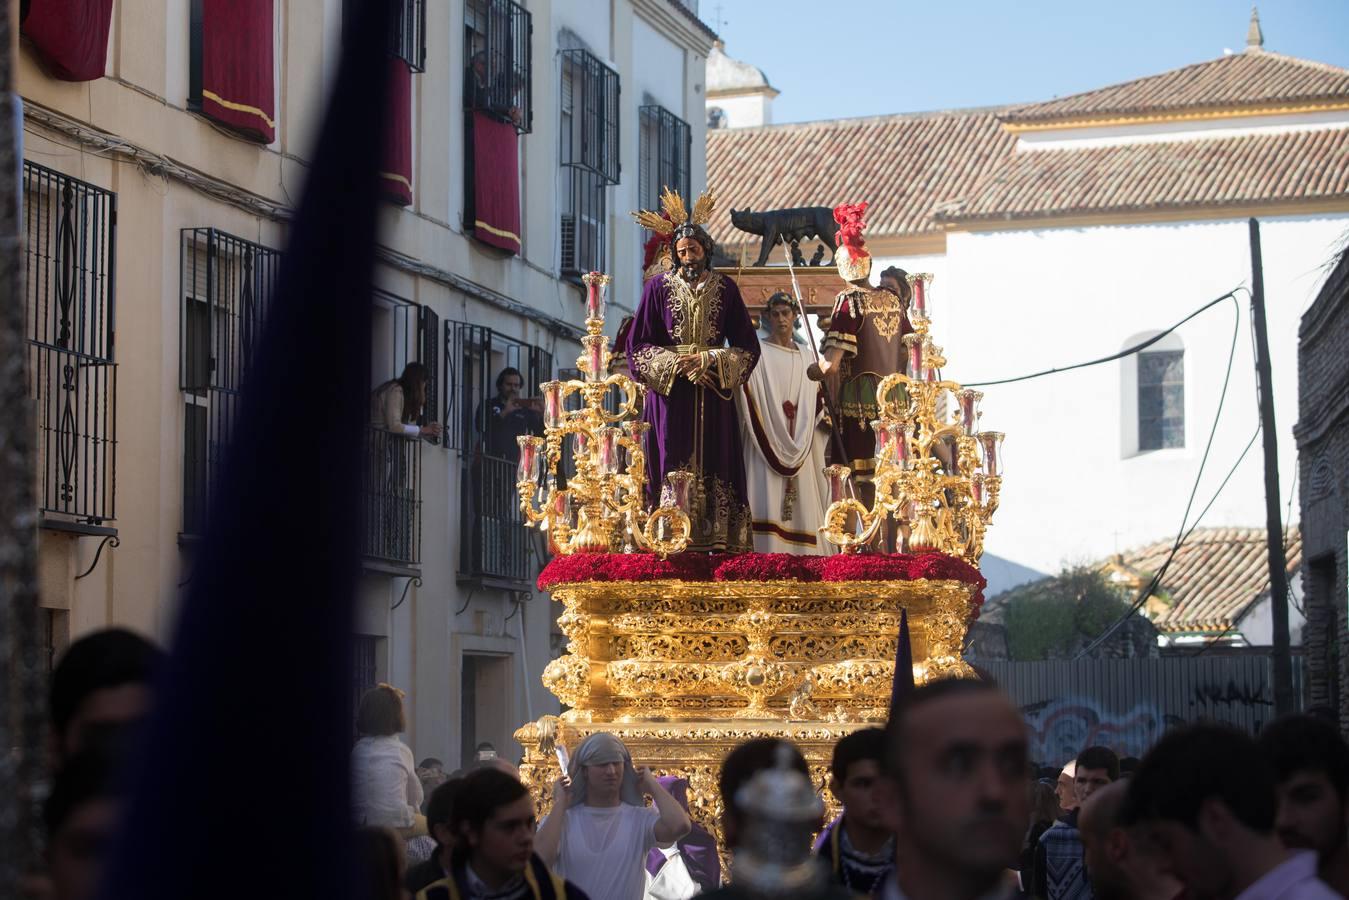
(1127, 704)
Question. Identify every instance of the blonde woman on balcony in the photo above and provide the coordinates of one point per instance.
(397, 404)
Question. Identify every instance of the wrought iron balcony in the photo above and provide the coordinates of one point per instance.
(392, 498)
(494, 544)
(70, 240)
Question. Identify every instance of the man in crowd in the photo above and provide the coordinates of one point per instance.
(600, 830)
(439, 822)
(1121, 863)
(955, 791)
(102, 686)
(858, 847)
(1058, 872)
(1207, 797)
(1311, 763)
(493, 820)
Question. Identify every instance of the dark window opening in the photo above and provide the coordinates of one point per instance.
(226, 284)
(663, 155)
(498, 43)
(1161, 400)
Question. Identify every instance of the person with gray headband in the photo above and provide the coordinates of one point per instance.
(600, 829)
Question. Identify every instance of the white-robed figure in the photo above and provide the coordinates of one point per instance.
(784, 439)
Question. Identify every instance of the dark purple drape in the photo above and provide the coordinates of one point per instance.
(396, 173)
(70, 36)
(238, 85)
(496, 182)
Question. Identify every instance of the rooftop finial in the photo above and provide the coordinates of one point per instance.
(1255, 38)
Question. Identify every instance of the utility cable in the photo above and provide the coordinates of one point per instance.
(1142, 345)
(1181, 533)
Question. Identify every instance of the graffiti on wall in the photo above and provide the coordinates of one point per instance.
(1061, 728)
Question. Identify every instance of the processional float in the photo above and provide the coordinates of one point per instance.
(682, 656)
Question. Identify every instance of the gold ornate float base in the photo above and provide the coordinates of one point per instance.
(682, 672)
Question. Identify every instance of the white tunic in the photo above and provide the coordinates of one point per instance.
(776, 446)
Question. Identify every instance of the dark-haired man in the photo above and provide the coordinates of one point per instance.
(1206, 796)
(1058, 873)
(1311, 763)
(859, 846)
(955, 791)
(1121, 863)
(440, 825)
(101, 686)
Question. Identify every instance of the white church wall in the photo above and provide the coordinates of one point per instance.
(1013, 302)
(745, 110)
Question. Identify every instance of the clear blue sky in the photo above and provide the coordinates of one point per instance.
(870, 57)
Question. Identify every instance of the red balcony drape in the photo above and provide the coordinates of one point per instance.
(70, 36)
(496, 182)
(237, 77)
(396, 174)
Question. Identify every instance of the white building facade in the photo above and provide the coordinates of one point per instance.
(1067, 231)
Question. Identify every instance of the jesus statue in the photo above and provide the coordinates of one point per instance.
(693, 345)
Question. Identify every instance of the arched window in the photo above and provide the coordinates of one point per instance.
(1152, 396)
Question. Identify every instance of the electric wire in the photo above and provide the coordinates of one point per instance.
(1142, 345)
(1181, 534)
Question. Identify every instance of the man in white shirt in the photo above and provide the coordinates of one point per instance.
(1206, 796)
(600, 830)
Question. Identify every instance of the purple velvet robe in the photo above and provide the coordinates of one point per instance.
(695, 428)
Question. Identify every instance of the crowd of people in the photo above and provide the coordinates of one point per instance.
(942, 803)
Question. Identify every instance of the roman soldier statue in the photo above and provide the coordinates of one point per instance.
(693, 345)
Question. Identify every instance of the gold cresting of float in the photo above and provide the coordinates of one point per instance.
(603, 507)
(935, 470)
(766, 651)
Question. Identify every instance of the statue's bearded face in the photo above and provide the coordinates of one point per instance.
(692, 257)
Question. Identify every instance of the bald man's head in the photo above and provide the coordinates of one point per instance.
(1120, 862)
(1100, 812)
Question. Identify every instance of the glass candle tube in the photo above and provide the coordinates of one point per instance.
(531, 458)
(977, 489)
(580, 445)
(677, 492)
(608, 451)
(903, 449)
(594, 345)
(837, 476)
(919, 283)
(637, 431)
(597, 290)
(884, 441)
(969, 409)
(991, 443)
(914, 344)
(552, 404)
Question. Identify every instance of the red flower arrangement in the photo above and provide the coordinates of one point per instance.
(763, 567)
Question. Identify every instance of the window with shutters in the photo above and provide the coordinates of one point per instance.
(663, 153)
(227, 284)
(1161, 400)
(590, 151)
(498, 43)
(69, 251)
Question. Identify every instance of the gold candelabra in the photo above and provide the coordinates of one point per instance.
(602, 507)
(936, 472)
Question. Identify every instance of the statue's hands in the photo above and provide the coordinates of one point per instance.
(688, 365)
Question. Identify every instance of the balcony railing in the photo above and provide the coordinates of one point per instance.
(393, 497)
(76, 398)
(493, 540)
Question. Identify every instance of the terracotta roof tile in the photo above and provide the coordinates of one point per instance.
(1260, 168)
(1216, 575)
(1241, 79)
(904, 166)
